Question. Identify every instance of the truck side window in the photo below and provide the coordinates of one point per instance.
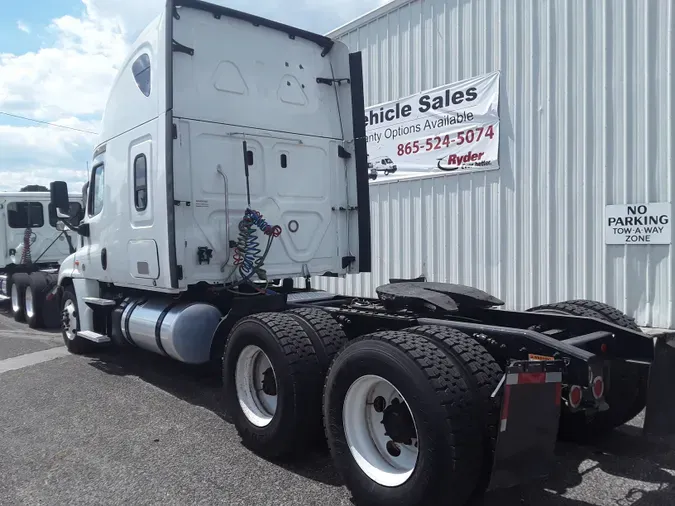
(140, 183)
(142, 73)
(25, 215)
(96, 190)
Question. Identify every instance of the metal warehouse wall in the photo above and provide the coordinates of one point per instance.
(587, 107)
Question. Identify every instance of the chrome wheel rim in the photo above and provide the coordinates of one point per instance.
(69, 320)
(15, 299)
(28, 302)
(256, 386)
(384, 461)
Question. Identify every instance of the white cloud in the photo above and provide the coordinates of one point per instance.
(45, 144)
(23, 26)
(11, 180)
(70, 78)
(68, 82)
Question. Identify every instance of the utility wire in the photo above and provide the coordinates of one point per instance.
(47, 123)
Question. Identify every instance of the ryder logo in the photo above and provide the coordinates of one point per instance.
(454, 162)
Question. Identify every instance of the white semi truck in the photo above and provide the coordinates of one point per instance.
(232, 161)
(32, 247)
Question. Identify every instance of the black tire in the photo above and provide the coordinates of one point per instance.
(51, 309)
(75, 344)
(297, 420)
(483, 374)
(324, 331)
(613, 315)
(608, 313)
(566, 308)
(622, 392)
(443, 407)
(19, 280)
(38, 287)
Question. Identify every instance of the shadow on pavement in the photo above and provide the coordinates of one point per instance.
(53, 326)
(202, 388)
(623, 455)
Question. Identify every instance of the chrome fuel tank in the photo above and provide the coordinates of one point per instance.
(180, 330)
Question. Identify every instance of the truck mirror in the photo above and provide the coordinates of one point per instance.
(53, 215)
(59, 196)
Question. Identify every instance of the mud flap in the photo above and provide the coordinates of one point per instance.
(528, 428)
(660, 411)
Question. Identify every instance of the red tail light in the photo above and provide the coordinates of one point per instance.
(598, 387)
(575, 396)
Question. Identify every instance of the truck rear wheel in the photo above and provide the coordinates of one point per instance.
(607, 312)
(399, 419)
(34, 299)
(483, 374)
(621, 319)
(17, 292)
(625, 392)
(325, 333)
(272, 384)
(51, 309)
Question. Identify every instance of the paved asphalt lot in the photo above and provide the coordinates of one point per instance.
(138, 429)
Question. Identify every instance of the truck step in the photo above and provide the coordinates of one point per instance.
(96, 301)
(93, 336)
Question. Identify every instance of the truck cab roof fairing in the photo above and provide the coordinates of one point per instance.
(218, 11)
(127, 106)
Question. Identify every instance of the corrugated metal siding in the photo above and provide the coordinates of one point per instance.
(587, 109)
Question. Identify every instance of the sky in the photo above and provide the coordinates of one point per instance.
(58, 59)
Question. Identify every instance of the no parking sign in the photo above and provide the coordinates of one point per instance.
(638, 223)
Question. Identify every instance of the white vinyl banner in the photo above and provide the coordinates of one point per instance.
(453, 127)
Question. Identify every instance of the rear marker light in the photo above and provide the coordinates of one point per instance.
(575, 396)
(598, 387)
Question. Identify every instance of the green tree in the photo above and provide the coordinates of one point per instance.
(34, 188)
